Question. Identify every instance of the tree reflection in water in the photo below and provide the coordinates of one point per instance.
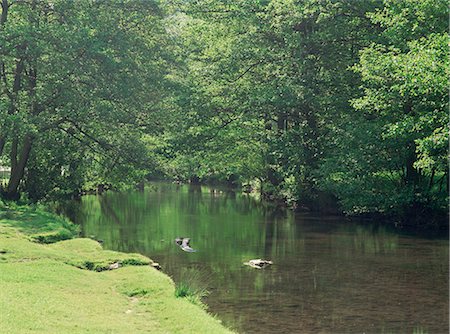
(329, 275)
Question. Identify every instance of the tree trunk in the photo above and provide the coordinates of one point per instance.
(4, 16)
(2, 145)
(431, 183)
(282, 121)
(310, 147)
(3, 19)
(13, 153)
(412, 175)
(448, 180)
(18, 169)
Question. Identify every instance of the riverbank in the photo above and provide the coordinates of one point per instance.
(54, 282)
(416, 219)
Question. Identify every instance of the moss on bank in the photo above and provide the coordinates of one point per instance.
(66, 287)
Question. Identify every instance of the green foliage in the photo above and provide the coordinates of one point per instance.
(343, 97)
(81, 83)
(405, 85)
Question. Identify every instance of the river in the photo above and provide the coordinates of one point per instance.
(329, 274)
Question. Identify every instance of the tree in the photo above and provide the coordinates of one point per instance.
(84, 72)
(281, 66)
(338, 97)
(405, 81)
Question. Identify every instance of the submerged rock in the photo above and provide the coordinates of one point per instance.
(115, 265)
(258, 263)
(155, 265)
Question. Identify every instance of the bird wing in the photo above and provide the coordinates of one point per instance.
(185, 242)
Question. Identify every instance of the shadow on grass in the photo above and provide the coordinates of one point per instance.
(40, 226)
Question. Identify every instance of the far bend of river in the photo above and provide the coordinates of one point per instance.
(329, 275)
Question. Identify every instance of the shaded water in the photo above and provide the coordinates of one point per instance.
(329, 275)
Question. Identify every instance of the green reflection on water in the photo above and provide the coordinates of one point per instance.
(329, 275)
(229, 224)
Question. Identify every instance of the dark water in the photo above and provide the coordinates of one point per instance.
(329, 275)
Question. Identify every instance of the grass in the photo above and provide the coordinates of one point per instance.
(194, 295)
(191, 286)
(66, 287)
(37, 224)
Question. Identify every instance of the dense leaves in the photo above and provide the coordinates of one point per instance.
(304, 100)
(344, 99)
(81, 81)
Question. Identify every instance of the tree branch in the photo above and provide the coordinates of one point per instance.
(102, 144)
(247, 70)
(93, 149)
(5, 81)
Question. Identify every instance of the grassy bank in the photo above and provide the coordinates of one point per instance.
(51, 286)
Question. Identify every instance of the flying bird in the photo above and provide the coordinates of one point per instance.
(184, 244)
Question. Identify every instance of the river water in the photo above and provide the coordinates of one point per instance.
(329, 275)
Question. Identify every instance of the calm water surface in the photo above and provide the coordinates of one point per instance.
(329, 275)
